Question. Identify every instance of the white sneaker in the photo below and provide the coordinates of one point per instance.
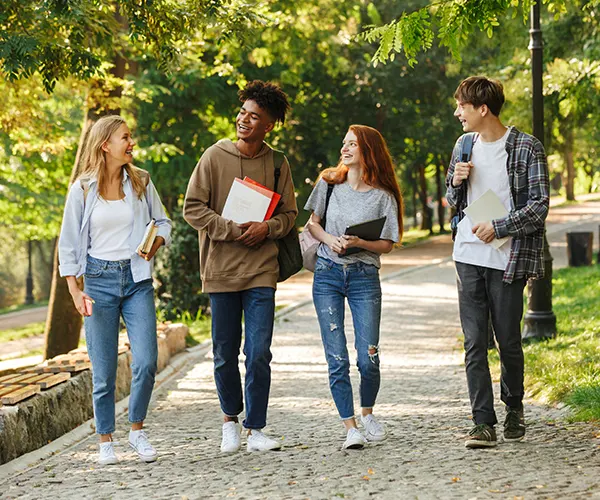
(374, 430)
(354, 440)
(231, 441)
(139, 442)
(257, 441)
(107, 454)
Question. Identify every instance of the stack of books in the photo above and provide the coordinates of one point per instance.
(249, 201)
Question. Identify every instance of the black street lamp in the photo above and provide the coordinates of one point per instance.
(539, 321)
(29, 282)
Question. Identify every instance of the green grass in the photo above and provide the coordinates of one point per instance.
(567, 369)
(21, 307)
(22, 332)
(413, 236)
(199, 330)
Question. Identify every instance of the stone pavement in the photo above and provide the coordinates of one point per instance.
(423, 402)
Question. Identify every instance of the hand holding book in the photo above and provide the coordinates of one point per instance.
(151, 242)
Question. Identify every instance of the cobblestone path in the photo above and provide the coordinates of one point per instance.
(423, 402)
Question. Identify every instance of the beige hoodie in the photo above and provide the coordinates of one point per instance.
(226, 265)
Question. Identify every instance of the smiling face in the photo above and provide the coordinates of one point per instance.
(350, 150)
(119, 148)
(470, 117)
(253, 122)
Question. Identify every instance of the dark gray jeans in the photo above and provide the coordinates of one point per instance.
(481, 295)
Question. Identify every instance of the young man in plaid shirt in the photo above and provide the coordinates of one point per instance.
(490, 281)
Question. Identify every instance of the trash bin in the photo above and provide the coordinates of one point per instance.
(580, 246)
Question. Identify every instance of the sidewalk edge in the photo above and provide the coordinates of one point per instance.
(85, 430)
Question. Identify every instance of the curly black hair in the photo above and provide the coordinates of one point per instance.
(268, 96)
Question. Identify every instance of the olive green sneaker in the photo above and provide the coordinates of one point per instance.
(514, 424)
(481, 436)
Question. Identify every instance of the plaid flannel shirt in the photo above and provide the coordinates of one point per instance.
(529, 187)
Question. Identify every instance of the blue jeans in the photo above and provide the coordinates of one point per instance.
(359, 283)
(111, 285)
(258, 307)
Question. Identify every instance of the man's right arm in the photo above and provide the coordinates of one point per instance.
(196, 211)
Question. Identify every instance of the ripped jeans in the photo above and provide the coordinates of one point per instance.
(359, 283)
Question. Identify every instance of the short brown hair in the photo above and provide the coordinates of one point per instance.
(479, 90)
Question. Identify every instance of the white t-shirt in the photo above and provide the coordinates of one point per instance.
(489, 172)
(111, 223)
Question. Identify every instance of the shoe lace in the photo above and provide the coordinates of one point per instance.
(107, 448)
(229, 432)
(354, 433)
(259, 436)
(513, 419)
(142, 443)
(478, 429)
(373, 425)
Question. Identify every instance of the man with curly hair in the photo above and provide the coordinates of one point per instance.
(238, 262)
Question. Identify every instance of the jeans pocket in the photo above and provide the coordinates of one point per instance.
(321, 265)
(93, 271)
(370, 270)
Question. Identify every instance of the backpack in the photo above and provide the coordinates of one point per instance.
(466, 148)
(289, 257)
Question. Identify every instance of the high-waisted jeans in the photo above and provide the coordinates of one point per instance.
(359, 283)
(111, 285)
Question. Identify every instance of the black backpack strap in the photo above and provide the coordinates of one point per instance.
(278, 159)
(327, 198)
(466, 147)
(466, 150)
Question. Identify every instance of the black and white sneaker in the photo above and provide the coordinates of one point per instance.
(481, 436)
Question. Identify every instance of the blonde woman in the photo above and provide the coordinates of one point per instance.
(105, 218)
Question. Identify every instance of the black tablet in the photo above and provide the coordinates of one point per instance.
(369, 230)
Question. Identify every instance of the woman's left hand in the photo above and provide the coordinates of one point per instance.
(158, 242)
(349, 241)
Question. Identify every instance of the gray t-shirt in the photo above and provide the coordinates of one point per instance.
(347, 208)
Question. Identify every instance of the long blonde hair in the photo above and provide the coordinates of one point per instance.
(93, 162)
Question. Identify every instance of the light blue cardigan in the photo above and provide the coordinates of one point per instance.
(74, 239)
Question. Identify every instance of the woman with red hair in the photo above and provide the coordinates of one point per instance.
(362, 187)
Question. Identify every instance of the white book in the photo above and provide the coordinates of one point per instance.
(486, 208)
(245, 204)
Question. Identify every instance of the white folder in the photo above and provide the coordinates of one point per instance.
(486, 208)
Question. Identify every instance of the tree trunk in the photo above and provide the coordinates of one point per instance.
(439, 180)
(414, 197)
(426, 222)
(63, 322)
(570, 164)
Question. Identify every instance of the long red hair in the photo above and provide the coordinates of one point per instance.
(377, 167)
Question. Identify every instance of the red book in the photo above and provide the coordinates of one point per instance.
(275, 197)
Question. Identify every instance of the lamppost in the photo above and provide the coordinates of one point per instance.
(29, 282)
(539, 321)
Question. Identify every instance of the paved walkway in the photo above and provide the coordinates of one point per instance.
(423, 402)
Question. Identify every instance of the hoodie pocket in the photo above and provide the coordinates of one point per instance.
(230, 260)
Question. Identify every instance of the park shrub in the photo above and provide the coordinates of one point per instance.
(178, 274)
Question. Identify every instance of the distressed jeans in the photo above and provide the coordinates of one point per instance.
(483, 295)
(359, 283)
(258, 308)
(111, 285)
